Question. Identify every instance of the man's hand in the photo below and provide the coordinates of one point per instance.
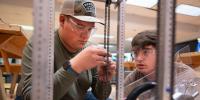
(88, 58)
(106, 75)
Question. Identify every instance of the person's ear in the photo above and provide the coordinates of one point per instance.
(62, 19)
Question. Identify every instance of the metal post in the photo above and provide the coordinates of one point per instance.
(166, 33)
(43, 50)
(2, 89)
(120, 50)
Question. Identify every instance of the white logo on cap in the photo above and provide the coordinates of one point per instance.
(89, 6)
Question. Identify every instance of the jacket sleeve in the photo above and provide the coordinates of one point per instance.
(62, 79)
(101, 90)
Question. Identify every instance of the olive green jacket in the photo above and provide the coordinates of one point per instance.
(67, 86)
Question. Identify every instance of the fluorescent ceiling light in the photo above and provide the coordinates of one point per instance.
(129, 39)
(100, 36)
(143, 3)
(101, 45)
(25, 27)
(188, 10)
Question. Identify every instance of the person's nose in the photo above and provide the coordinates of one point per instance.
(85, 34)
(139, 56)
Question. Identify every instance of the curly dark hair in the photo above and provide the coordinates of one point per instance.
(143, 39)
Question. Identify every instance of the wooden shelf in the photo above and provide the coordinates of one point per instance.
(10, 29)
(12, 42)
(191, 58)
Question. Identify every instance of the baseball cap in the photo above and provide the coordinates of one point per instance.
(83, 10)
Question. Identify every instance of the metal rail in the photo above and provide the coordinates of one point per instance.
(165, 65)
(43, 47)
(2, 89)
(120, 50)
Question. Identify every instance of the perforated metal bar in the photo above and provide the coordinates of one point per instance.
(43, 50)
(120, 50)
(166, 32)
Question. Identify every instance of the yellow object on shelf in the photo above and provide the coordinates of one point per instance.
(129, 65)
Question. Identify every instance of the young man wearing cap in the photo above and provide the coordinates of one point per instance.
(76, 67)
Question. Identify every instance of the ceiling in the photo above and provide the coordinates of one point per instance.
(137, 19)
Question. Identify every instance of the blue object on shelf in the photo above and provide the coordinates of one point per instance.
(198, 45)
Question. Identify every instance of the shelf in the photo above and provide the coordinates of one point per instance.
(191, 58)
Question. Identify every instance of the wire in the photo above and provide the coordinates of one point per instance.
(106, 42)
